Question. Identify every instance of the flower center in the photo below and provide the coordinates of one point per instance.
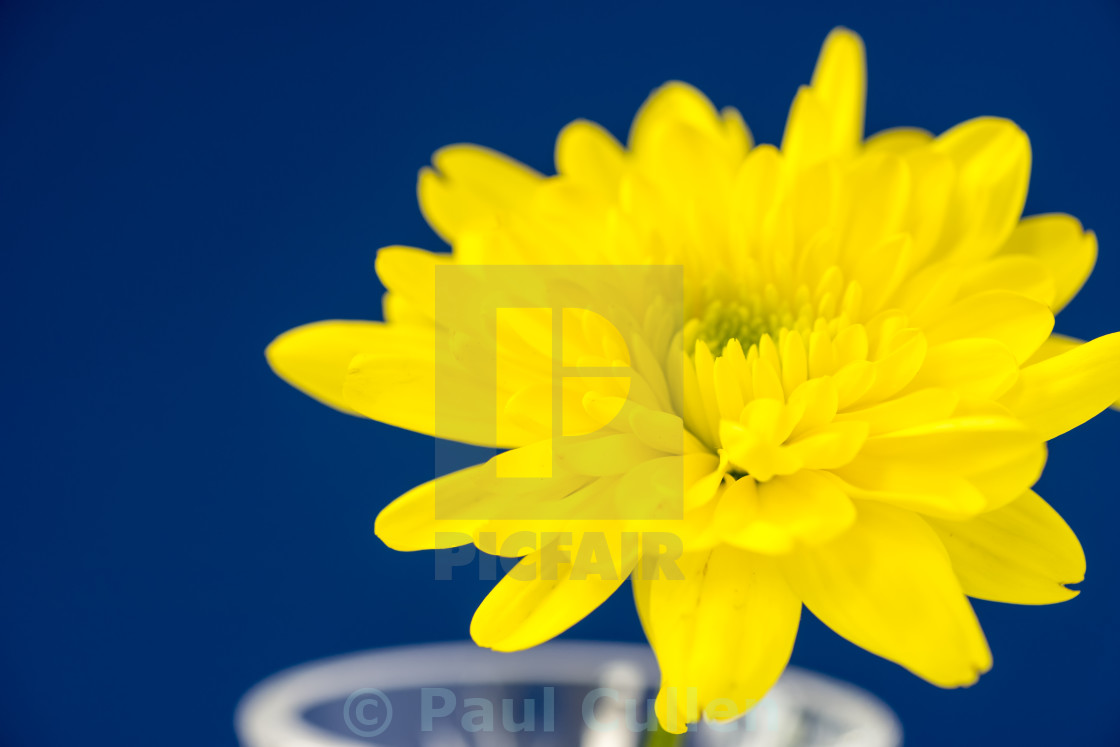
(746, 317)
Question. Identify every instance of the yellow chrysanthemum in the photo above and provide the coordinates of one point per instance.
(852, 398)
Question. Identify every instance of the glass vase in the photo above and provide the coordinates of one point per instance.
(562, 694)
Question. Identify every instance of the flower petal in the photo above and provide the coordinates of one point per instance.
(905, 411)
(840, 82)
(398, 387)
(826, 119)
(959, 445)
(1056, 345)
(590, 155)
(1060, 243)
(1020, 323)
(1020, 274)
(722, 633)
(314, 358)
(549, 590)
(918, 488)
(993, 161)
(410, 523)
(469, 184)
(887, 585)
(678, 107)
(807, 506)
(1062, 392)
(1023, 553)
(977, 367)
(409, 275)
(899, 140)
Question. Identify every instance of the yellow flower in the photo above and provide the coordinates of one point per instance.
(849, 403)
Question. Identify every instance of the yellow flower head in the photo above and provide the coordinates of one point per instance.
(821, 374)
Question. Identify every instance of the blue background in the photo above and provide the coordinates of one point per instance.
(183, 181)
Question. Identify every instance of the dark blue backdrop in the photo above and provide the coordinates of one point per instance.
(181, 182)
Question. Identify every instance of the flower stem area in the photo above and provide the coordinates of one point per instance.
(658, 737)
